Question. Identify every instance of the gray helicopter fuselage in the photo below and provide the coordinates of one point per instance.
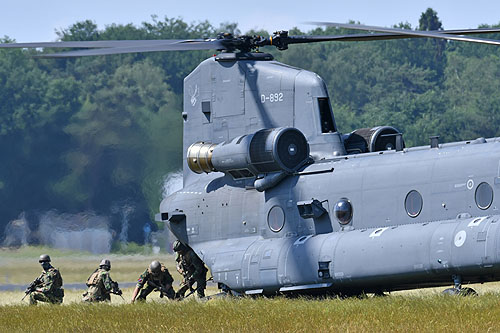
(419, 215)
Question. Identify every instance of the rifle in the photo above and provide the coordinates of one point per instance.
(116, 290)
(194, 290)
(31, 288)
(161, 289)
(189, 294)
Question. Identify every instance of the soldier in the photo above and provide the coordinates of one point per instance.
(157, 278)
(48, 286)
(190, 266)
(100, 285)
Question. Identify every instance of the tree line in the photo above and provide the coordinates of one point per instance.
(98, 133)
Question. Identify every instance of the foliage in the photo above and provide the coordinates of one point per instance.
(98, 133)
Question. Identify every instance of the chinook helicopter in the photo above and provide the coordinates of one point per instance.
(276, 200)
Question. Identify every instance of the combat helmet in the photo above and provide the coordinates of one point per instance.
(178, 246)
(155, 267)
(105, 263)
(44, 258)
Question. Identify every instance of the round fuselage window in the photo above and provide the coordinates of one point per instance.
(276, 218)
(413, 203)
(343, 211)
(484, 196)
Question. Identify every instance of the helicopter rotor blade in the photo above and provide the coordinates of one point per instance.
(409, 33)
(91, 44)
(280, 40)
(119, 47)
(382, 36)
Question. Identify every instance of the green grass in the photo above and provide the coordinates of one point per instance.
(72, 297)
(20, 266)
(394, 313)
(33, 252)
(417, 310)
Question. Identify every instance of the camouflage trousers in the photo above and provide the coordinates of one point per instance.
(148, 289)
(44, 297)
(95, 295)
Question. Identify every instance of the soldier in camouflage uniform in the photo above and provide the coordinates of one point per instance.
(48, 286)
(100, 285)
(193, 270)
(155, 277)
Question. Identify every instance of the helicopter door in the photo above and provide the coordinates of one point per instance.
(250, 266)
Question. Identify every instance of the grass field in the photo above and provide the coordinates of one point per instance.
(380, 314)
(21, 266)
(419, 310)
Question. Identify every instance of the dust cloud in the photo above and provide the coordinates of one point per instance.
(172, 183)
(83, 231)
(17, 232)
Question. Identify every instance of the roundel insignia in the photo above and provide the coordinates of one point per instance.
(460, 238)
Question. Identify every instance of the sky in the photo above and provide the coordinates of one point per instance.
(37, 20)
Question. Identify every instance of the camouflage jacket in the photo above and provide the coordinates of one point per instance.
(50, 281)
(100, 282)
(163, 279)
(189, 264)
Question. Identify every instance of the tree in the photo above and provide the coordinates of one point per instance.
(429, 21)
(473, 103)
(120, 154)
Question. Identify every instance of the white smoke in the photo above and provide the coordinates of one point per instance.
(172, 183)
(84, 231)
(125, 211)
(17, 232)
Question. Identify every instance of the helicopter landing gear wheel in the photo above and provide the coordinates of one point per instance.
(458, 290)
(451, 291)
(226, 291)
(467, 292)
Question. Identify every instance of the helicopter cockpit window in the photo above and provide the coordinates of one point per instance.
(326, 116)
(343, 211)
(484, 196)
(413, 203)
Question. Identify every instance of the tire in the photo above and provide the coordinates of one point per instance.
(460, 292)
(451, 291)
(467, 292)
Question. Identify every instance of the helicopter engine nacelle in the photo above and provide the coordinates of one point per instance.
(283, 149)
(374, 139)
